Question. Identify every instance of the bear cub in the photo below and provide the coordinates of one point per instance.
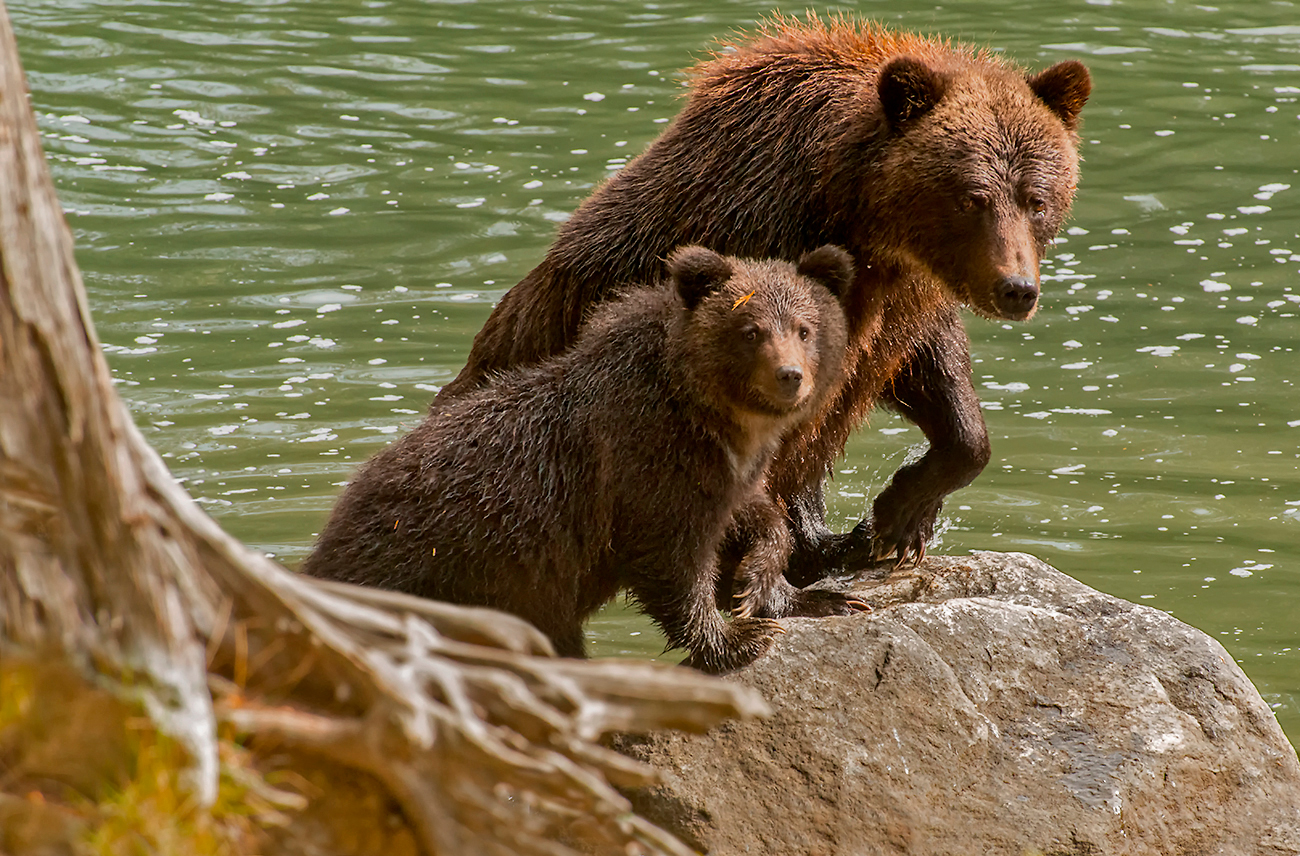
(625, 462)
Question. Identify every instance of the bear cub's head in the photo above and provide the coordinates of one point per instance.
(766, 338)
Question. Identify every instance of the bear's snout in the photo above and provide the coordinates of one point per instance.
(1016, 297)
(788, 380)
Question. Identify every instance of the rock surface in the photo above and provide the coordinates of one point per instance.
(989, 705)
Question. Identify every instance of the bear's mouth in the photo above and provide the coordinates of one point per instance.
(779, 402)
(1009, 316)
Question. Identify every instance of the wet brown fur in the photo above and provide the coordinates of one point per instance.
(945, 171)
(620, 463)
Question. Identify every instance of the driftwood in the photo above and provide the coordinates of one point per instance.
(119, 594)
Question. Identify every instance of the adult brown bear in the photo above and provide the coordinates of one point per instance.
(945, 171)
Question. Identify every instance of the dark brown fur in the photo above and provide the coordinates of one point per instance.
(944, 171)
(621, 463)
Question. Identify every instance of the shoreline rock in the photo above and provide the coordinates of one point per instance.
(990, 704)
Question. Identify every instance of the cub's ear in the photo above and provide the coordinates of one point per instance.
(696, 272)
(831, 266)
(1064, 88)
(908, 89)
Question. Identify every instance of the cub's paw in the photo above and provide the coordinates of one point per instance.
(784, 600)
(820, 604)
(743, 642)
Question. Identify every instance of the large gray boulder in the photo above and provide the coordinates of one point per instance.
(989, 705)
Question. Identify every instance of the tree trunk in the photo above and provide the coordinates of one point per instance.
(118, 594)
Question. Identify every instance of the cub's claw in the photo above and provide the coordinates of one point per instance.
(786, 601)
(818, 603)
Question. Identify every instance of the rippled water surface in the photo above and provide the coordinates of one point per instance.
(292, 217)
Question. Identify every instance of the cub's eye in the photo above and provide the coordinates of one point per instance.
(1037, 204)
(804, 332)
(751, 334)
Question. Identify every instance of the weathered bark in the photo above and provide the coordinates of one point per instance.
(112, 580)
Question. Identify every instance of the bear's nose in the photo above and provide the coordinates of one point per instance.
(1017, 296)
(788, 378)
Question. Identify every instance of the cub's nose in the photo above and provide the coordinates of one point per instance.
(789, 379)
(1016, 296)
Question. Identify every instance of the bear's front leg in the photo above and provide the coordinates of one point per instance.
(684, 605)
(936, 392)
(762, 535)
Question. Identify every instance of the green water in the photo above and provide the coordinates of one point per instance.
(292, 216)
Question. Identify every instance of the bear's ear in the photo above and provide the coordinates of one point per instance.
(697, 271)
(1064, 88)
(908, 88)
(831, 266)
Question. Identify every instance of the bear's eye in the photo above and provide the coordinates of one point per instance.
(804, 332)
(751, 334)
(973, 202)
(1037, 204)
